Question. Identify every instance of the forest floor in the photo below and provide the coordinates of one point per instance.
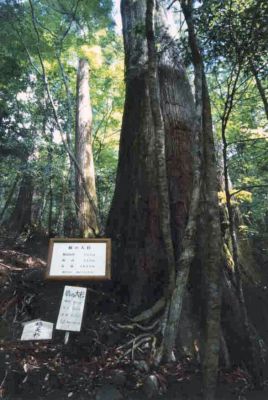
(101, 362)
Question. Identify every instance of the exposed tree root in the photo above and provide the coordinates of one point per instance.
(151, 312)
(131, 327)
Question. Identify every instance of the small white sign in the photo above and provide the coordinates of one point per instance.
(71, 309)
(37, 330)
(78, 259)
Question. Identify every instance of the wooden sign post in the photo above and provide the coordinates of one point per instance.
(77, 260)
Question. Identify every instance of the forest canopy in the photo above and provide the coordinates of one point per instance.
(154, 134)
(235, 61)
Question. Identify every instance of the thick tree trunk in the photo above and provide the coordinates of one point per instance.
(166, 139)
(87, 219)
(21, 215)
(140, 261)
(185, 259)
(9, 198)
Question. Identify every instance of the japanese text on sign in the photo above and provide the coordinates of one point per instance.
(78, 259)
(37, 330)
(71, 309)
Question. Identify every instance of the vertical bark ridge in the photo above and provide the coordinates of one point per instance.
(134, 222)
(213, 243)
(160, 144)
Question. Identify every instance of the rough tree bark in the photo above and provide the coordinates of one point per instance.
(87, 220)
(213, 261)
(252, 359)
(160, 144)
(166, 138)
(175, 295)
(9, 198)
(21, 215)
(140, 261)
(210, 220)
(158, 102)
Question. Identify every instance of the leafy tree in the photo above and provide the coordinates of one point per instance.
(57, 34)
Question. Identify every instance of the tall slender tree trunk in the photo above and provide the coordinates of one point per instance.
(260, 87)
(39, 208)
(50, 190)
(87, 220)
(213, 261)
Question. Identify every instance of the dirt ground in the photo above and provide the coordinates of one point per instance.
(101, 361)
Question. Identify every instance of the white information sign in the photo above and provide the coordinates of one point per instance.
(37, 330)
(71, 309)
(79, 259)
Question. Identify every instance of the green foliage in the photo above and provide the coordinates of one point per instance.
(232, 36)
(247, 141)
(235, 30)
(59, 32)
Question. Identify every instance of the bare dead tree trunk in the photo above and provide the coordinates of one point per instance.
(87, 220)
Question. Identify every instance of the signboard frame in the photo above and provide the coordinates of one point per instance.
(54, 241)
(61, 310)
